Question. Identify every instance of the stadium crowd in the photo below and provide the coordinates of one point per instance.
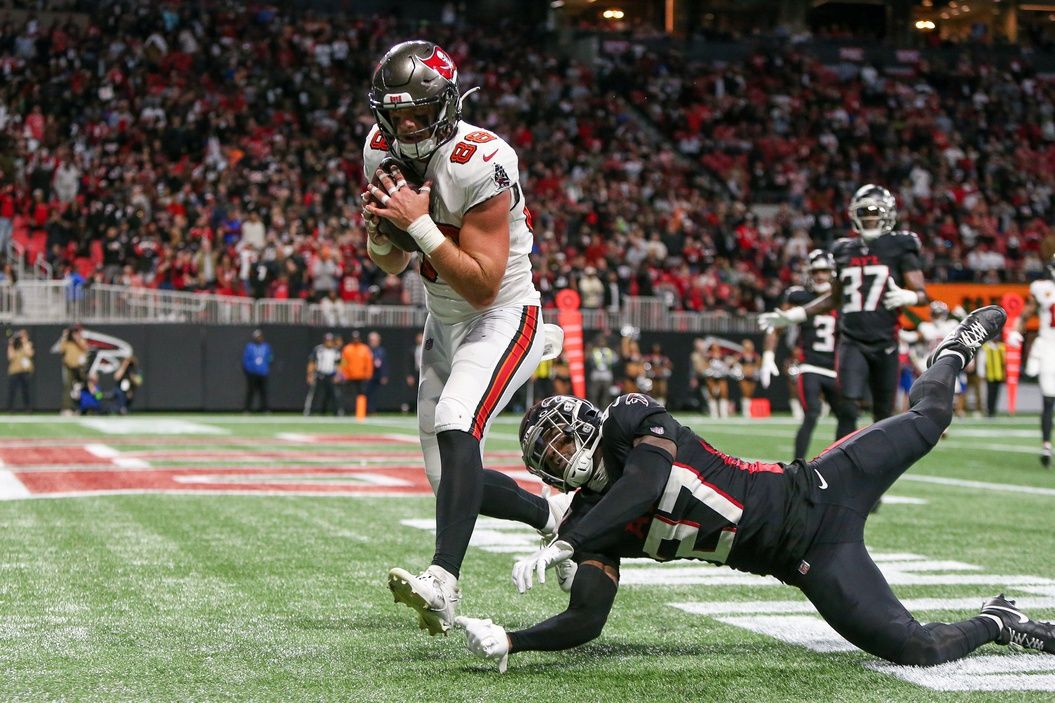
(183, 148)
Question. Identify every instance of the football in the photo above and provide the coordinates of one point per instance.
(397, 236)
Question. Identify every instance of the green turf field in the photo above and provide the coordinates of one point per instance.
(199, 557)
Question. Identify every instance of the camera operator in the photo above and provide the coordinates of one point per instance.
(74, 352)
(19, 369)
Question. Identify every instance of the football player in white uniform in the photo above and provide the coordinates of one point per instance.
(484, 333)
(1041, 360)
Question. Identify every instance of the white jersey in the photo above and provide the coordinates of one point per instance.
(468, 169)
(1043, 292)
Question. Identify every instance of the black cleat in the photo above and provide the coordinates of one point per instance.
(1045, 457)
(976, 329)
(1017, 629)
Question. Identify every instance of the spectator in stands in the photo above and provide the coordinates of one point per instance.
(256, 364)
(127, 381)
(20, 357)
(591, 290)
(379, 375)
(322, 376)
(357, 368)
(74, 351)
(7, 217)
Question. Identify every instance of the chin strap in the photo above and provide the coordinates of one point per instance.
(465, 95)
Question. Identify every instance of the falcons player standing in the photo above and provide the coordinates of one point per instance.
(815, 352)
(484, 333)
(1041, 359)
(876, 274)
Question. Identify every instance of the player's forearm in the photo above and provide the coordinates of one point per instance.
(820, 305)
(394, 262)
(633, 495)
(476, 280)
(592, 595)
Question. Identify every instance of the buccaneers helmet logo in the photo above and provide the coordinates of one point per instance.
(441, 63)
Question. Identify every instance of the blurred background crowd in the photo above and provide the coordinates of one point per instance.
(217, 148)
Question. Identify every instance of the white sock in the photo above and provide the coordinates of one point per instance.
(953, 352)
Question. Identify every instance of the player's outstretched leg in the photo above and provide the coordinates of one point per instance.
(879, 454)
(1016, 628)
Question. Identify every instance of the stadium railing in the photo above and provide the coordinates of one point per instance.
(34, 302)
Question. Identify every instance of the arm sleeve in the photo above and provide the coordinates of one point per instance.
(633, 495)
(592, 595)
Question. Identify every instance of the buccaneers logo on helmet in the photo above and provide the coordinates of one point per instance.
(441, 63)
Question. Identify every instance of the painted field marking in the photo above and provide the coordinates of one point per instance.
(369, 479)
(105, 451)
(994, 672)
(152, 426)
(979, 485)
(10, 487)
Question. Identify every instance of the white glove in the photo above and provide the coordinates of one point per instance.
(525, 570)
(553, 341)
(897, 296)
(769, 368)
(782, 318)
(485, 639)
(1015, 339)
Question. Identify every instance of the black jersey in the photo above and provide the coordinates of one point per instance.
(863, 269)
(714, 507)
(816, 335)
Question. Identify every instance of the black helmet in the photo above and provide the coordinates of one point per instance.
(559, 436)
(415, 74)
(873, 202)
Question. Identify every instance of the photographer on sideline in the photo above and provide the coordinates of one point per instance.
(20, 355)
(74, 352)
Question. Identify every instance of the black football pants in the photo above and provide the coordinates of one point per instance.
(841, 580)
(863, 370)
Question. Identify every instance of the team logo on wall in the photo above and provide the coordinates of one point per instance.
(105, 351)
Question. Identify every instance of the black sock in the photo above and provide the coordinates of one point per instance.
(458, 498)
(1045, 418)
(933, 392)
(505, 499)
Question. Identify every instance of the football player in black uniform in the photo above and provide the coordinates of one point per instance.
(876, 274)
(815, 345)
(649, 487)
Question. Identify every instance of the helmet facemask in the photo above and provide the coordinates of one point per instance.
(821, 270)
(873, 211)
(559, 438)
(421, 143)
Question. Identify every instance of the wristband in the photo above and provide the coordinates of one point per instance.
(426, 234)
(378, 249)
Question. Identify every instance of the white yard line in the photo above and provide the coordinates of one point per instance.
(980, 485)
(11, 488)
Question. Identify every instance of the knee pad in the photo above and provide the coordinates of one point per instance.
(452, 414)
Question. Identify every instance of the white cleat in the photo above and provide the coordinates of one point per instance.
(434, 595)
